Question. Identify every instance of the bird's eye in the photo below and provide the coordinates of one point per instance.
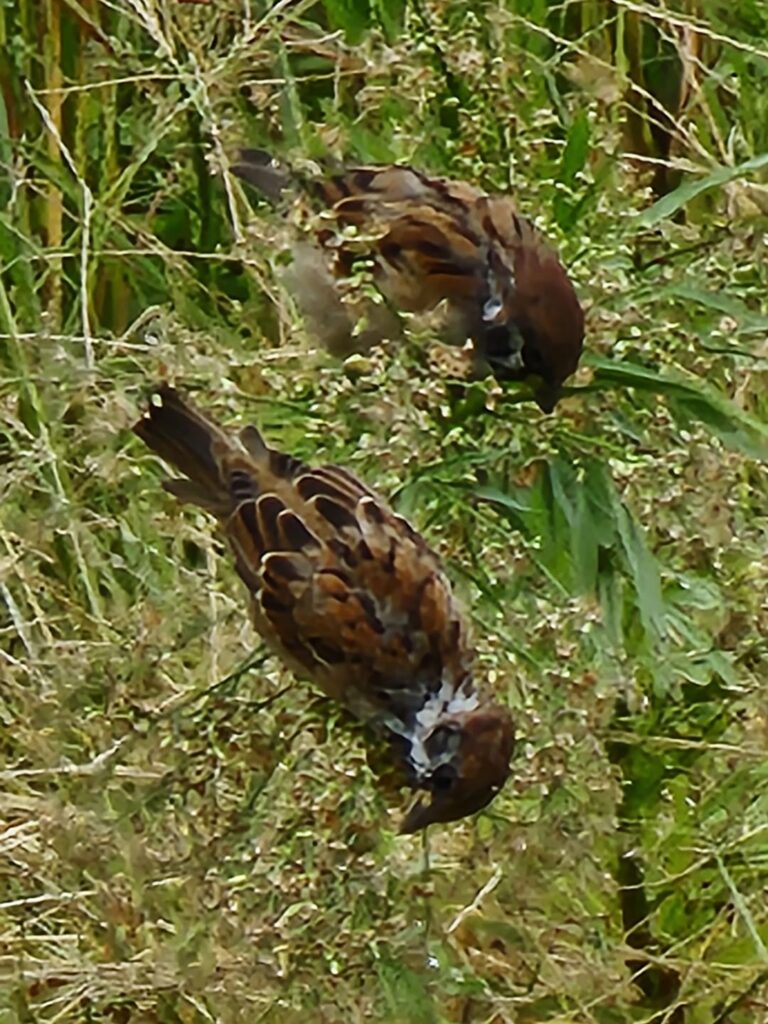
(443, 778)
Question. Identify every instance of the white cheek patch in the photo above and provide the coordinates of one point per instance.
(445, 703)
(418, 756)
(491, 309)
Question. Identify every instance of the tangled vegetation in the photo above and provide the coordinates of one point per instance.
(187, 834)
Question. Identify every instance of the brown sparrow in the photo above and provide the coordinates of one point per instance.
(349, 596)
(430, 240)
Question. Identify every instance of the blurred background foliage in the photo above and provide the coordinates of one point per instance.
(187, 835)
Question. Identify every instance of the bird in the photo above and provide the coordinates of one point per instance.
(428, 240)
(351, 598)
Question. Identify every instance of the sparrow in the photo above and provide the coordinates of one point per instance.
(351, 598)
(429, 240)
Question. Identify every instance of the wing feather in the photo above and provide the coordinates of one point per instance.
(345, 590)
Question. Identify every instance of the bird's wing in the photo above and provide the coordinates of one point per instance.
(348, 590)
(343, 588)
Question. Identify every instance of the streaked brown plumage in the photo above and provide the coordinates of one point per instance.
(432, 239)
(350, 596)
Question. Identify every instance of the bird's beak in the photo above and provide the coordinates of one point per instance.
(546, 395)
(443, 809)
(418, 817)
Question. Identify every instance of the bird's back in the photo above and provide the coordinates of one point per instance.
(344, 589)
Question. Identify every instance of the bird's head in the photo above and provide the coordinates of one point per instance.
(468, 758)
(532, 323)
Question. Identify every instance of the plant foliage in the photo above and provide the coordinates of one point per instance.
(189, 834)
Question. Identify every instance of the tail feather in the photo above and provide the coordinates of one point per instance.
(257, 168)
(219, 471)
(192, 444)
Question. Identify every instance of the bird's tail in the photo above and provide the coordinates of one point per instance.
(193, 445)
(257, 167)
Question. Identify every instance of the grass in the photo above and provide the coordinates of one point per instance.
(188, 834)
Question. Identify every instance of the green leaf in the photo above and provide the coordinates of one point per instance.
(6, 187)
(566, 209)
(668, 205)
(609, 588)
(584, 544)
(561, 477)
(555, 534)
(507, 501)
(391, 16)
(690, 398)
(353, 16)
(720, 301)
(644, 571)
(701, 667)
(292, 113)
(600, 491)
(576, 149)
(405, 994)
